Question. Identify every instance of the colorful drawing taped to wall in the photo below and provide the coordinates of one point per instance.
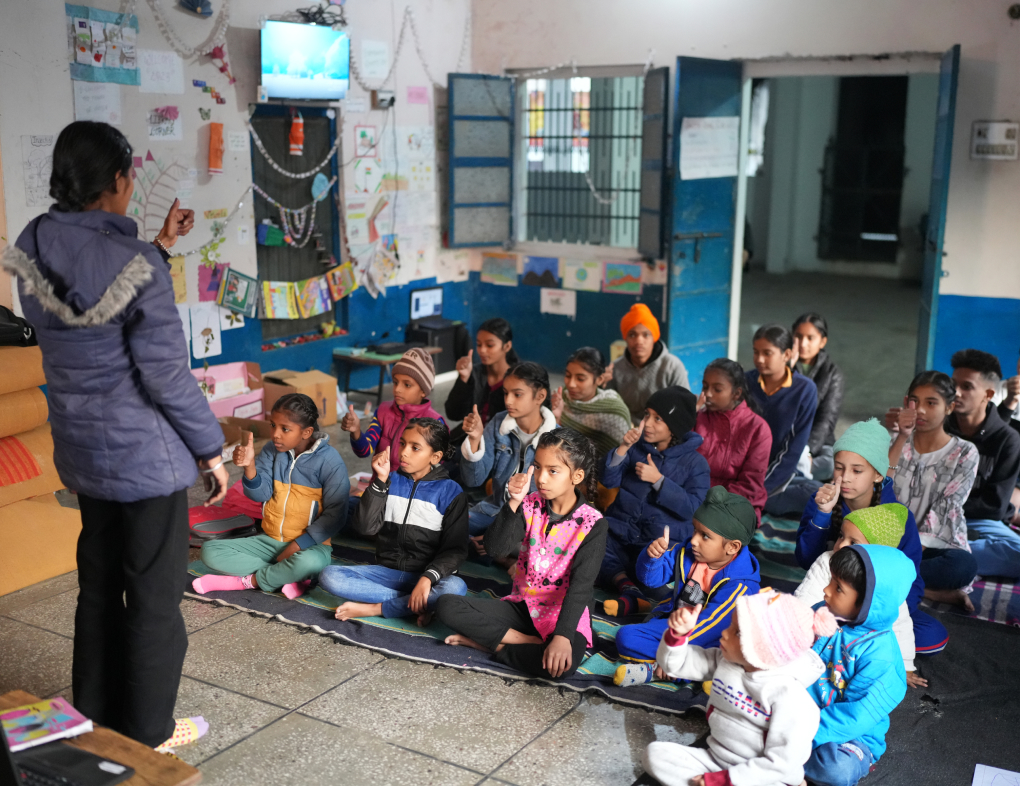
(364, 141)
(209, 279)
(499, 269)
(230, 319)
(205, 331)
(622, 278)
(582, 274)
(313, 296)
(541, 272)
(368, 174)
(341, 281)
(155, 191)
(279, 300)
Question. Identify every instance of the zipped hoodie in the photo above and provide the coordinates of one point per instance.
(864, 679)
(304, 498)
(421, 526)
(740, 577)
(761, 723)
(499, 454)
(790, 413)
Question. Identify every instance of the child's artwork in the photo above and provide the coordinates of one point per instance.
(391, 243)
(177, 276)
(583, 275)
(499, 269)
(622, 278)
(341, 281)
(230, 319)
(541, 272)
(452, 266)
(164, 124)
(657, 275)
(238, 293)
(156, 181)
(313, 296)
(101, 48)
(364, 141)
(279, 300)
(209, 279)
(37, 164)
(993, 776)
(205, 331)
(558, 301)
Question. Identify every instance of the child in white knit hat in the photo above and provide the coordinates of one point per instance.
(761, 717)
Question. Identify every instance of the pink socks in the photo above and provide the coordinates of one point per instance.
(295, 589)
(204, 584)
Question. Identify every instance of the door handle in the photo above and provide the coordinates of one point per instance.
(697, 237)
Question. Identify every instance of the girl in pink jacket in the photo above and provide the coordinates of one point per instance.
(737, 440)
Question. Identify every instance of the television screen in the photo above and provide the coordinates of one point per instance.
(305, 61)
(427, 303)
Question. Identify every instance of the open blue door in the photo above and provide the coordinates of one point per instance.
(932, 272)
(705, 161)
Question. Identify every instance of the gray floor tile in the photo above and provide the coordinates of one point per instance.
(305, 751)
(33, 660)
(443, 712)
(35, 593)
(272, 661)
(198, 615)
(598, 744)
(231, 717)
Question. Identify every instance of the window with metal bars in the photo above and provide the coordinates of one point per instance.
(582, 141)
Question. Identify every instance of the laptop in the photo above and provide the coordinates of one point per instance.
(58, 764)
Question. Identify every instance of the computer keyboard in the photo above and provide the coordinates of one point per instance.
(33, 777)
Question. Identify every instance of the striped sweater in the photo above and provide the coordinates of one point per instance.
(603, 419)
(738, 578)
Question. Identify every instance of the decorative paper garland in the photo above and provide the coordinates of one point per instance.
(280, 169)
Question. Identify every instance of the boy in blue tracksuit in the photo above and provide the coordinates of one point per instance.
(662, 479)
(716, 558)
(864, 678)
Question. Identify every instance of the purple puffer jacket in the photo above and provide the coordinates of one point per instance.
(128, 418)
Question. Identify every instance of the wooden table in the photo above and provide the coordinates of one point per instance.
(343, 356)
(151, 768)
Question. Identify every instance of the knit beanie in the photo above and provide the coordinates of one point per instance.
(869, 440)
(417, 364)
(639, 314)
(776, 628)
(677, 406)
(882, 525)
(728, 515)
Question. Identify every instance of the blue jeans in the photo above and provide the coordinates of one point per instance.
(996, 548)
(480, 516)
(377, 584)
(947, 569)
(839, 764)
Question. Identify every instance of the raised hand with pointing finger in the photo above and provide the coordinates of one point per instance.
(465, 366)
(631, 437)
(556, 403)
(649, 473)
(352, 423)
(659, 546)
(828, 494)
(518, 487)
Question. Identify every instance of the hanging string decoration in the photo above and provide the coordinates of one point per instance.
(298, 223)
(220, 231)
(296, 175)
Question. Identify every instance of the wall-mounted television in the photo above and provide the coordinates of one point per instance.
(305, 62)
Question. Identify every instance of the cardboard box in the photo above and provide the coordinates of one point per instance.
(246, 405)
(236, 429)
(321, 388)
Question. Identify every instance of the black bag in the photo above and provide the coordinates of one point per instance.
(229, 525)
(15, 331)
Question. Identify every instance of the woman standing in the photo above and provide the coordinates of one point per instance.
(810, 335)
(128, 423)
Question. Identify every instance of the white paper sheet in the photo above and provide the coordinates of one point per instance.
(161, 72)
(99, 101)
(163, 128)
(37, 163)
(375, 59)
(414, 208)
(229, 320)
(452, 266)
(184, 311)
(558, 301)
(356, 211)
(206, 341)
(993, 776)
(583, 275)
(709, 147)
(237, 140)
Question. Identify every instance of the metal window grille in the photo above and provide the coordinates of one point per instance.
(583, 150)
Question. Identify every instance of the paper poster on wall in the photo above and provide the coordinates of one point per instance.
(558, 301)
(162, 72)
(709, 147)
(179, 282)
(418, 246)
(237, 141)
(100, 48)
(452, 266)
(364, 141)
(368, 174)
(230, 319)
(582, 274)
(165, 124)
(356, 218)
(184, 312)
(622, 278)
(355, 106)
(313, 296)
(99, 101)
(279, 300)
(37, 164)
(541, 272)
(156, 188)
(238, 293)
(415, 208)
(206, 341)
(421, 175)
(375, 59)
(657, 275)
(341, 281)
(499, 269)
(209, 279)
(417, 94)
(380, 218)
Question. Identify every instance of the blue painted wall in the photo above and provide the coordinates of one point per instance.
(986, 323)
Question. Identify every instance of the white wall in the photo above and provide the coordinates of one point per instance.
(982, 233)
(36, 92)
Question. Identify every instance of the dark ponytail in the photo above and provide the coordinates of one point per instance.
(87, 158)
(734, 372)
(777, 335)
(501, 329)
(436, 434)
(533, 375)
(579, 453)
(299, 408)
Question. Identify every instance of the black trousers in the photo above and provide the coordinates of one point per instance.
(487, 622)
(129, 635)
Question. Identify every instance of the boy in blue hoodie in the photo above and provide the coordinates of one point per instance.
(864, 679)
(662, 479)
(715, 560)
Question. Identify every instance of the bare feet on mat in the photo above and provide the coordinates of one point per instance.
(351, 610)
(456, 640)
(955, 597)
(424, 620)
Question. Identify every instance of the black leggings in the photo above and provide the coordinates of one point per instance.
(487, 622)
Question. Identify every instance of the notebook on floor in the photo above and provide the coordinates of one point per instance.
(58, 764)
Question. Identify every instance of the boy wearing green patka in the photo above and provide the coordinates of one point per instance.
(717, 558)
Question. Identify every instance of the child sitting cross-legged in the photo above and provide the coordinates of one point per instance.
(760, 716)
(544, 626)
(662, 479)
(419, 518)
(716, 559)
(303, 484)
(864, 678)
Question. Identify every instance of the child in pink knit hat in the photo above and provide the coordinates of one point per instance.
(761, 717)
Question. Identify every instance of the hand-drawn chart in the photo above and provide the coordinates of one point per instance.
(156, 182)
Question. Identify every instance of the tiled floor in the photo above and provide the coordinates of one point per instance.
(292, 708)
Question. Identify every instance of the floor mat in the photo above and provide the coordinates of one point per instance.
(403, 638)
